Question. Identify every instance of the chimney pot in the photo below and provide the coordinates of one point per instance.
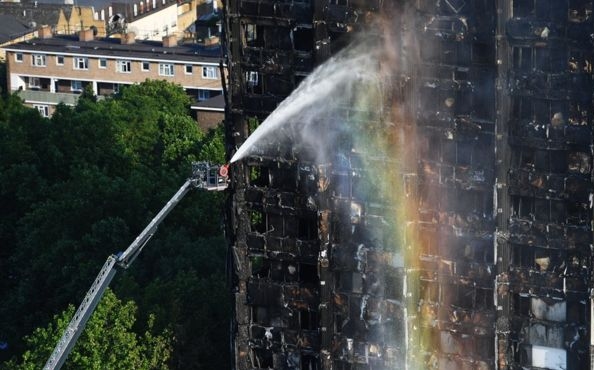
(45, 32)
(169, 41)
(128, 38)
(85, 35)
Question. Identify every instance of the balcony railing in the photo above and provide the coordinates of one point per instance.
(546, 185)
(46, 97)
(546, 136)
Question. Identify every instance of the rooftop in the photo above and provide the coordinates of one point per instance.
(112, 47)
(11, 28)
(33, 15)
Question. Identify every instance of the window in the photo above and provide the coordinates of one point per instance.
(165, 69)
(252, 78)
(578, 10)
(522, 58)
(102, 63)
(209, 72)
(250, 32)
(38, 60)
(43, 110)
(188, 69)
(34, 83)
(60, 60)
(203, 95)
(76, 85)
(18, 57)
(116, 88)
(123, 66)
(146, 66)
(81, 63)
(303, 39)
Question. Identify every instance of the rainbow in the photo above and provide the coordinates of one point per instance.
(353, 109)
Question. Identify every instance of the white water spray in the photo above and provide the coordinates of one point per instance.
(316, 103)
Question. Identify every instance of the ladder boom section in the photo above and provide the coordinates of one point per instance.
(204, 176)
(128, 256)
(82, 314)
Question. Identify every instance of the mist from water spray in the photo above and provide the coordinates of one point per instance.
(347, 111)
(313, 114)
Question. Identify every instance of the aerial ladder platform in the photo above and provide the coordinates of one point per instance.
(204, 176)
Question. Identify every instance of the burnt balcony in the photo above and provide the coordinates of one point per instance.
(545, 185)
(538, 30)
(549, 235)
(462, 177)
(299, 12)
(549, 136)
(545, 283)
(283, 247)
(527, 29)
(340, 14)
(266, 60)
(446, 28)
(550, 85)
(276, 61)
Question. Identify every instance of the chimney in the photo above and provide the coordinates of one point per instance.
(45, 32)
(128, 38)
(169, 41)
(85, 35)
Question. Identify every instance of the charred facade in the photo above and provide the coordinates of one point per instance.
(455, 116)
(544, 238)
(494, 267)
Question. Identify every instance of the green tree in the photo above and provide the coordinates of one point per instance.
(107, 342)
(81, 185)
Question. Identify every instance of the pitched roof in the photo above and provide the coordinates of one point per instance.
(34, 15)
(11, 28)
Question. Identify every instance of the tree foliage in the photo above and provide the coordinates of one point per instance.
(81, 185)
(108, 341)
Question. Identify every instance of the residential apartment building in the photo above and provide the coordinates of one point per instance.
(491, 104)
(55, 69)
(149, 20)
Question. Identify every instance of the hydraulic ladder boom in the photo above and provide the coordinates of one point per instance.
(204, 176)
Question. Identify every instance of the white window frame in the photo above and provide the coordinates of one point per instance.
(100, 61)
(76, 82)
(18, 57)
(209, 73)
(38, 60)
(148, 66)
(34, 83)
(188, 69)
(123, 66)
(80, 63)
(58, 57)
(166, 69)
(42, 109)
